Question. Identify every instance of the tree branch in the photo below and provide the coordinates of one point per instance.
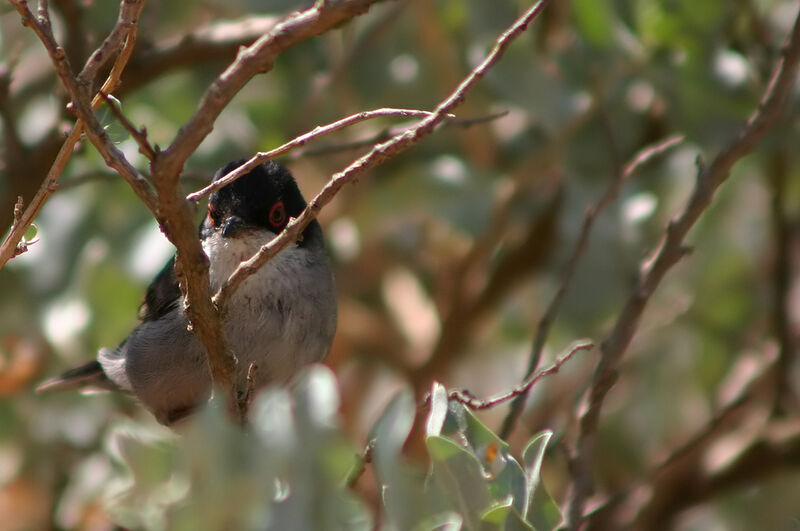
(669, 252)
(377, 155)
(301, 140)
(127, 21)
(386, 134)
(546, 322)
(524, 387)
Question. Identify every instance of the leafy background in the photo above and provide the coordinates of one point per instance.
(445, 257)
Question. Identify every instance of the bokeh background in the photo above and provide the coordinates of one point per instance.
(447, 255)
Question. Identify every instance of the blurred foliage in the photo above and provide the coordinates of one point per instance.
(287, 470)
(415, 246)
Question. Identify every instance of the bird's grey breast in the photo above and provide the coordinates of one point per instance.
(281, 317)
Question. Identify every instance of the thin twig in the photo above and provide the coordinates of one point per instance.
(524, 388)
(22, 246)
(377, 155)
(301, 140)
(670, 252)
(362, 460)
(9, 247)
(782, 235)
(319, 131)
(548, 318)
(385, 134)
(243, 402)
(124, 29)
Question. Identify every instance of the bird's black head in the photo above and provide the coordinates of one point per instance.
(265, 198)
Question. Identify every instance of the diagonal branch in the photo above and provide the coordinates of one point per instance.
(129, 11)
(669, 252)
(523, 388)
(546, 322)
(377, 155)
(296, 142)
(384, 135)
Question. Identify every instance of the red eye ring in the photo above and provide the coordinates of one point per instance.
(277, 214)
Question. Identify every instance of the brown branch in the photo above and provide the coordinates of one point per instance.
(670, 251)
(531, 380)
(374, 157)
(243, 400)
(124, 30)
(785, 394)
(20, 226)
(548, 318)
(319, 131)
(22, 246)
(217, 42)
(386, 134)
(301, 140)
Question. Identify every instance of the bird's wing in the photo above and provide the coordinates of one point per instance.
(163, 295)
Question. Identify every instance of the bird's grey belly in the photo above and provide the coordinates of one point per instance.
(278, 337)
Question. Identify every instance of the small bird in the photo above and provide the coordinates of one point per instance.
(280, 318)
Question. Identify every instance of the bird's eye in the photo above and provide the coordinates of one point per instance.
(277, 214)
(212, 215)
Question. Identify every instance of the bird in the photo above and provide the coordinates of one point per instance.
(280, 319)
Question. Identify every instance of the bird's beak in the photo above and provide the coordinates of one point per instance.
(232, 226)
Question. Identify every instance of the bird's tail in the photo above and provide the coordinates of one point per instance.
(88, 375)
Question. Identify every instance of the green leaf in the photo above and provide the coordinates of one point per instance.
(487, 446)
(511, 483)
(504, 516)
(392, 429)
(540, 509)
(446, 521)
(147, 484)
(316, 399)
(438, 410)
(401, 483)
(459, 476)
(114, 129)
